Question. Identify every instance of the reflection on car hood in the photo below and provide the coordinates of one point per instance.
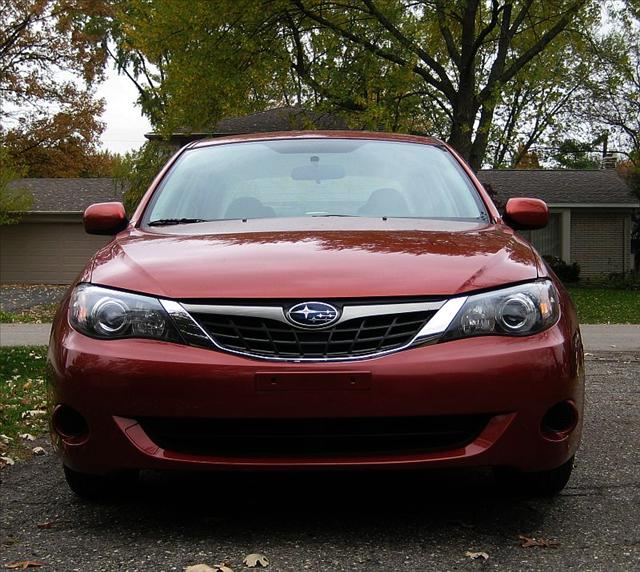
(314, 259)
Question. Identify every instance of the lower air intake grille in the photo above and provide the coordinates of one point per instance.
(314, 437)
(353, 338)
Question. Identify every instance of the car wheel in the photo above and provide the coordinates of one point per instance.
(96, 487)
(540, 483)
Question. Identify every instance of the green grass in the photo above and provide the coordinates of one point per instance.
(22, 398)
(606, 305)
(40, 314)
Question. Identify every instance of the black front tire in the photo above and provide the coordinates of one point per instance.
(98, 487)
(537, 484)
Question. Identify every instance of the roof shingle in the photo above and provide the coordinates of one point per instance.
(553, 186)
(69, 195)
(559, 186)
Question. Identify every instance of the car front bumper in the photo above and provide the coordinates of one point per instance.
(514, 381)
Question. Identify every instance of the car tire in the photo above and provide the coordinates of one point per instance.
(537, 484)
(97, 487)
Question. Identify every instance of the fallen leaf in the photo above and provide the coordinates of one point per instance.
(27, 436)
(7, 460)
(5, 439)
(24, 564)
(49, 523)
(207, 568)
(255, 561)
(33, 413)
(39, 451)
(476, 555)
(529, 542)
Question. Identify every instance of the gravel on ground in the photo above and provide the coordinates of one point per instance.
(16, 297)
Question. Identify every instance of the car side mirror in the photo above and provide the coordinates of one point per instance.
(526, 214)
(105, 218)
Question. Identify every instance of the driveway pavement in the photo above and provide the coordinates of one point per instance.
(348, 521)
(616, 338)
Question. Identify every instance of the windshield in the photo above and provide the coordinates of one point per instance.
(314, 177)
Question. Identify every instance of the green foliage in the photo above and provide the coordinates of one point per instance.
(22, 395)
(38, 314)
(13, 200)
(568, 273)
(606, 305)
(137, 170)
(572, 154)
(452, 69)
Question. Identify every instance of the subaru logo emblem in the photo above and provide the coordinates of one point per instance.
(313, 314)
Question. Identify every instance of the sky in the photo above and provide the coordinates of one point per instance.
(125, 125)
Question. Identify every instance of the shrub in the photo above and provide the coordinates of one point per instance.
(566, 272)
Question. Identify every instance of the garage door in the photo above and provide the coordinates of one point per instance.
(45, 252)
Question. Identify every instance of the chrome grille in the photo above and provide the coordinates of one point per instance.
(358, 337)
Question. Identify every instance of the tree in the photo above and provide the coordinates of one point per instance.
(49, 61)
(138, 168)
(572, 154)
(614, 93)
(442, 67)
(13, 200)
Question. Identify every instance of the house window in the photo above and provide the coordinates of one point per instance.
(548, 240)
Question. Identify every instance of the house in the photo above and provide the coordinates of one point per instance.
(591, 214)
(590, 223)
(49, 245)
(293, 118)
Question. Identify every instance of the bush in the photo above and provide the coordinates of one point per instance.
(566, 272)
(623, 281)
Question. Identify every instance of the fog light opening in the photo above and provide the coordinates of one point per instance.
(70, 424)
(559, 421)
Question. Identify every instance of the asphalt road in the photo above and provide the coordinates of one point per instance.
(360, 522)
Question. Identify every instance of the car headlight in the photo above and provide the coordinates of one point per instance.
(110, 314)
(516, 311)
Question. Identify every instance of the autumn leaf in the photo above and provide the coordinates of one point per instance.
(255, 561)
(530, 542)
(24, 564)
(477, 555)
(207, 568)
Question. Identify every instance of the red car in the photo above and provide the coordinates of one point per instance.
(316, 300)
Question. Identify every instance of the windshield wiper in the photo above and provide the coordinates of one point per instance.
(328, 215)
(168, 221)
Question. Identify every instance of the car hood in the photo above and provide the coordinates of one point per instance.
(307, 259)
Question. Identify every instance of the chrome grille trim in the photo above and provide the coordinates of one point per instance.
(195, 334)
(348, 312)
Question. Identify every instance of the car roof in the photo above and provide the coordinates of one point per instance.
(371, 135)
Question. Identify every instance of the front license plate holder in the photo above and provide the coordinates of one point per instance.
(313, 380)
